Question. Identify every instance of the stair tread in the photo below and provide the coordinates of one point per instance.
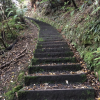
(57, 73)
(41, 78)
(61, 86)
(52, 45)
(54, 60)
(55, 67)
(58, 49)
(57, 94)
(53, 54)
(46, 43)
(56, 64)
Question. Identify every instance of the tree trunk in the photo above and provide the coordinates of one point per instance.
(73, 1)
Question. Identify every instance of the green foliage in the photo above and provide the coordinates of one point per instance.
(12, 21)
(96, 62)
(43, 1)
(40, 39)
(88, 57)
(20, 78)
(21, 1)
(10, 95)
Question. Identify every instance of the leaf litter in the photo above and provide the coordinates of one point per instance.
(18, 58)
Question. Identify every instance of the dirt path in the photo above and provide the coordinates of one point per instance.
(20, 55)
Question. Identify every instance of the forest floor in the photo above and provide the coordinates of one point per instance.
(18, 58)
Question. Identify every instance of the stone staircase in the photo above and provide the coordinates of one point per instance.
(56, 73)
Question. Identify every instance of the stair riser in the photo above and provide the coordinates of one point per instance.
(54, 68)
(41, 55)
(51, 46)
(40, 35)
(45, 38)
(52, 50)
(77, 94)
(54, 43)
(55, 79)
(53, 60)
(49, 34)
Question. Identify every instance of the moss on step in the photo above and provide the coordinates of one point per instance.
(66, 59)
(41, 39)
(28, 78)
(34, 61)
(35, 69)
(83, 78)
(22, 94)
(69, 53)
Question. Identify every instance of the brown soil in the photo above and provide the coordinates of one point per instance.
(19, 57)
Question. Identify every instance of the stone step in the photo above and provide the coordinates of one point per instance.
(59, 49)
(49, 34)
(46, 40)
(55, 67)
(54, 35)
(56, 92)
(52, 46)
(54, 77)
(53, 54)
(56, 42)
(53, 60)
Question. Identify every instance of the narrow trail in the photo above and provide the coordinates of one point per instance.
(54, 73)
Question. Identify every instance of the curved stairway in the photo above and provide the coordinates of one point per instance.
(54, 74)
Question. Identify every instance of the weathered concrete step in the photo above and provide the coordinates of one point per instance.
(51, 38)
(60, 49)
(50, 42)
(49, 33)
(52, 46)
(55, 42)
(53, 54)
(54, 60)
(54, 35)
(58, 67)
(57, 94)
(42, 78)
(45, 40)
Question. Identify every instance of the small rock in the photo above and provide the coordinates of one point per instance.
(66, 81)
